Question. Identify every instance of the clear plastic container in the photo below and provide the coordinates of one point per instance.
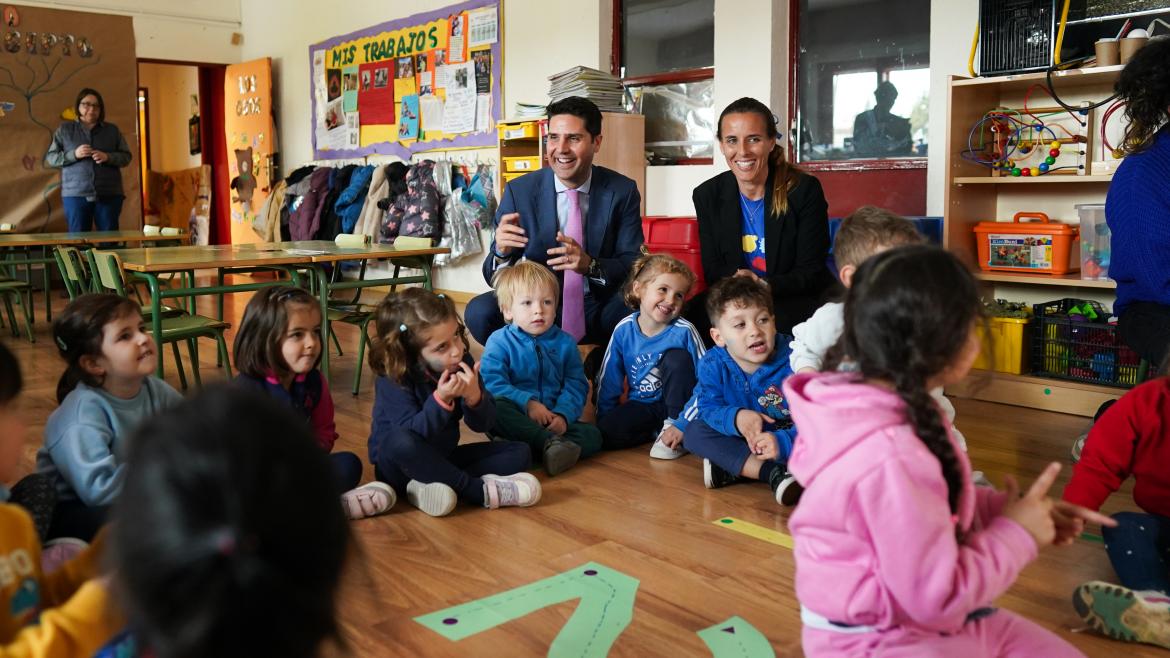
(1095, 238)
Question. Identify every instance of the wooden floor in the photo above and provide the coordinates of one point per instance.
(648, 519)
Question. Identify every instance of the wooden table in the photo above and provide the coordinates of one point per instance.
(147, 264)
(11, 241)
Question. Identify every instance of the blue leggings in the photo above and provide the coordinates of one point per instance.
(634, 422)
(727, 452)
(1138, 548)
(404, 455)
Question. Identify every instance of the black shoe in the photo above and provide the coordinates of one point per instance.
(592, 363)
(715, 477)
(560, 455)
(785, 487)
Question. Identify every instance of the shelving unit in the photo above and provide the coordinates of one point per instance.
(973, 195)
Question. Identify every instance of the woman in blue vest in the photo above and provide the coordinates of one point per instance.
(90, 152)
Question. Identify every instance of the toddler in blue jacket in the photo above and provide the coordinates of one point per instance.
(743, 429)
(534, 371)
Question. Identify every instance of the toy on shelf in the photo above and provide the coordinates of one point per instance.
(1043, 247)
(1029, 141)
(1076, 339)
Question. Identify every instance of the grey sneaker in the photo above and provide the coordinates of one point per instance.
(518, 490)
(370, 499)
(560, 455)
(433, 498)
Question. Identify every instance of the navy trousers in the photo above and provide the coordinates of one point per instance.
(634, 423)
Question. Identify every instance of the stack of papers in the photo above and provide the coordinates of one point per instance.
(598, 86)
(529, 111)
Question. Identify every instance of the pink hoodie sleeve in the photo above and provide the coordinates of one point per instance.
(988, 505)
(932, 579)
(321, 418)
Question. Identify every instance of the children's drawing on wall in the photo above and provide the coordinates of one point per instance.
(244, 183)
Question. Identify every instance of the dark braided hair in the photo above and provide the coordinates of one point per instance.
(908, 316)
(1144, 85)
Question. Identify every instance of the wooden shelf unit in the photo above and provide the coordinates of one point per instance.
(973, 196)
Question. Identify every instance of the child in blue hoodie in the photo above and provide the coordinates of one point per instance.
(743, 429)
(534, 371)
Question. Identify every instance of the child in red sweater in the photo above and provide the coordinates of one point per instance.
(1131, 438)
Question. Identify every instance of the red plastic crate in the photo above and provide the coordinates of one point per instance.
(688, 255)
(671, 231)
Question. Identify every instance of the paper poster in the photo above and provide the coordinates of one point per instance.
(459, 110)
(483, 70)
(376, 102)
(332, 84)
(408, 118)
(404, 87)
(334, 115)
(483, 109)
(431, 113)
(404, 67)
(349, 88)
(442, 77)
(426, 83)
(352, 130)
(337, 138)
(482, 27)
(457, 39)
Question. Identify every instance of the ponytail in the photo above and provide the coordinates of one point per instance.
(923, 413)
(399, 322)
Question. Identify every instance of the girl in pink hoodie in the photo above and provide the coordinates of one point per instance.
(897, 553)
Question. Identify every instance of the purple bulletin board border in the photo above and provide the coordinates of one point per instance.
(481, 139)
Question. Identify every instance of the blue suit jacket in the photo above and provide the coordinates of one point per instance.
(613, 225)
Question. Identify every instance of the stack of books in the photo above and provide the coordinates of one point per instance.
(529, 111)
(598, 86)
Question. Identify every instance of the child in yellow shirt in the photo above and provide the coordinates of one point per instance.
(64, 613)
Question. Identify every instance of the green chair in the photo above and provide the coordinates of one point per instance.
(21, 292)
(74, 272)
(189, 328)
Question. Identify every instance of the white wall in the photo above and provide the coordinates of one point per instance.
(178, 30)
(952, 24)
(169, 91)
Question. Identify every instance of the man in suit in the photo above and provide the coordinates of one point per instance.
(580, 220)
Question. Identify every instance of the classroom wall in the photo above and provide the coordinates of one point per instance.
(169, 91)
(177, 30)
(952, 24)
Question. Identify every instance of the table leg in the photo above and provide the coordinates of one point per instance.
(322, 281)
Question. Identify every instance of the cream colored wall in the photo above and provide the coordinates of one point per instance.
(952, 24)
(177, 30)
(169, 92)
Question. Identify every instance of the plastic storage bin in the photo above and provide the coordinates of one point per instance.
(526, 130)
(1065, 347)
(1005, 346)
(1043, 247)
(678, 237)
(522, 163)
(1095, 241)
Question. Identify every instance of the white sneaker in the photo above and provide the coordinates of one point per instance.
(662, 451)
(433, 498)
(368, 500)
(518, 490)
(979, 479)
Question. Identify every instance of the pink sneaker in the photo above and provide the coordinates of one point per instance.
(57, 552)
(368, 500)
(519, 490)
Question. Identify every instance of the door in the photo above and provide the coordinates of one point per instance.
(251, 143)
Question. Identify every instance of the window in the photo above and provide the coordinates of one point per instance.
(862, 80)
(664, 51)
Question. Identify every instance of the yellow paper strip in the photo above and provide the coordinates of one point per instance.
(753, 530)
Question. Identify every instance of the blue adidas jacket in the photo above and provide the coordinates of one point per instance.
(724, 389)
(547, 368)
(633, 357)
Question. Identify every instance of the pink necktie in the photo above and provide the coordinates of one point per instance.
(573, 297)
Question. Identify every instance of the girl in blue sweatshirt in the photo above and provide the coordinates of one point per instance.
(107, 389)
(656, 353)
(426, 383)
(276, 351)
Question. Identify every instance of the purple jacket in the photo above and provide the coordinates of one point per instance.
(876, 541)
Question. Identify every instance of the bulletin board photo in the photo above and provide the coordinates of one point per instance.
(424, 82)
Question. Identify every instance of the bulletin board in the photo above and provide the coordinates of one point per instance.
(46, 57)
(424, 82)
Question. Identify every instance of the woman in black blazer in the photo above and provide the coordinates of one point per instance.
(762, 190)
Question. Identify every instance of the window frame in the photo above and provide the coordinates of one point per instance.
(858, 164)
(668, 77)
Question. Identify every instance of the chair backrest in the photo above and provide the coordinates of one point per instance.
(108, 267)
(73, 271)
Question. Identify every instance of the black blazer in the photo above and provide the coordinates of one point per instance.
(613, 226)
(796, 245)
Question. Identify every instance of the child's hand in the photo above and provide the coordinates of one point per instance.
(671, 437)
(539, 413)
(765, 446)
(751, 424)
(1070, 520)
(1033, 510)
(558, 425)
(472, 392)
(450, 387)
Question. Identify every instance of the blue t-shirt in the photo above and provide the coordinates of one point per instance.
(753, 235)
